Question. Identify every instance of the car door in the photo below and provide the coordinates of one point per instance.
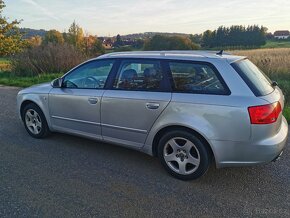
(138, 95)
(75, 107)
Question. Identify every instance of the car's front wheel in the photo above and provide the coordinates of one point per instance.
(34, 121)
(184, 155)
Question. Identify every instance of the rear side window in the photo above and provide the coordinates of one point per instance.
(139, 75)
(200, 78)
(257, 81)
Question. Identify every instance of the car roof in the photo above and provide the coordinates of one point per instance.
(177, 55)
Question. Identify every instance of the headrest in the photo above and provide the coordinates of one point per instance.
(129, 74)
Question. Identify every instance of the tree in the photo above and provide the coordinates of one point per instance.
(93, 46)
(34, 41)
(75, 36)
(53, 36)
(98, 48)
(118, 41)
(196, 38)
(161, 42)
(138, 44)
(251, 36)
(207, 38)
(10, 37)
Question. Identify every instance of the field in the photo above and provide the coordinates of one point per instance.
(276, 44)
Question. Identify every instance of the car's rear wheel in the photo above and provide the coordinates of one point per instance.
(34, 121)
(184, 155)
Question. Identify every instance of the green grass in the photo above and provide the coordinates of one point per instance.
(286, 113)
(276, 44)
(6, 78)
(4, 60)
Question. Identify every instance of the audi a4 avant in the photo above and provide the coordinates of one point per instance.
(188, 108)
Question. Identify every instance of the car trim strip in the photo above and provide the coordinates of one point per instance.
(76, 120)
(98, 124)
(125, 128)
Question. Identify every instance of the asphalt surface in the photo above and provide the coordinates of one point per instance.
(67, 176)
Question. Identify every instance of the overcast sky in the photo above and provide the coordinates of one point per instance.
(110, 17)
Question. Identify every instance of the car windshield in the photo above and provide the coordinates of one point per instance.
(257, 81)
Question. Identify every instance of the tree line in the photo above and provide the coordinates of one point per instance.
(89, 45)
(253, 36)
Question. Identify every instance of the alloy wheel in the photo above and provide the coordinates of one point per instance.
(181, 155)
(33, 121)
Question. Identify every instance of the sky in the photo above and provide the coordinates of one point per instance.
(112, 17)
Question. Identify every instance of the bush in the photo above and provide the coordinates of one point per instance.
(123, 48)
(159, 42)
(46, 59)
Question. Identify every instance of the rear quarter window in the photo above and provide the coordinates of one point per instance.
(256, 80)
(197, 77)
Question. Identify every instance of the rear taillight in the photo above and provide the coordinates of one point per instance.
(265, 114)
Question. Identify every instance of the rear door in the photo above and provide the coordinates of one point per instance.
(139, 93)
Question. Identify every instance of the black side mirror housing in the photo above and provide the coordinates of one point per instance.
(56, 83)
(274, 83)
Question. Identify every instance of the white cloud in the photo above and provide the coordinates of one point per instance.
(44, 10)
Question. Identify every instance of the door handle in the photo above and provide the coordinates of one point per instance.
(152, 105)
(93, 100)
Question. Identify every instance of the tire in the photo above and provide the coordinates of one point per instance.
(34, 121)
(184, 155)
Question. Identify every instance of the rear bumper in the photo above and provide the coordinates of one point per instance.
(231, 154)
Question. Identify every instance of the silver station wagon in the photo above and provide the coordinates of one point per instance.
(188, 108)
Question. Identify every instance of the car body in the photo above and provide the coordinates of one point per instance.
(135, 98)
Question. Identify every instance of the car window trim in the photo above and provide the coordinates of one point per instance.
(227, 91)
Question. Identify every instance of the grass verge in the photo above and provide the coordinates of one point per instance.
(286, 113)
(6, 78)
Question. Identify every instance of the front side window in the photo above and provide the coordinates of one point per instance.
(196, 78)
(139, 75)
(91, 75)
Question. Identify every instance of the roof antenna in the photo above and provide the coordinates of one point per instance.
(220, 52)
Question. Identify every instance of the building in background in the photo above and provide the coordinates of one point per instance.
(281, 34)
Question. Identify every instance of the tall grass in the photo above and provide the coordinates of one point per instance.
(46, 59)
(272, 61)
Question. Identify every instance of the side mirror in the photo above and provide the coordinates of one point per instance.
(274, 83)
(57, 83)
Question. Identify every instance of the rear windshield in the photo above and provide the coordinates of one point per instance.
(257, 81)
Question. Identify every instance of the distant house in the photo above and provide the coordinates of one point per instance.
(107, 42)
(281, 34)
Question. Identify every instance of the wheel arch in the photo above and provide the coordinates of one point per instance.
(166, 129)
(25, 103)
(40, 102)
